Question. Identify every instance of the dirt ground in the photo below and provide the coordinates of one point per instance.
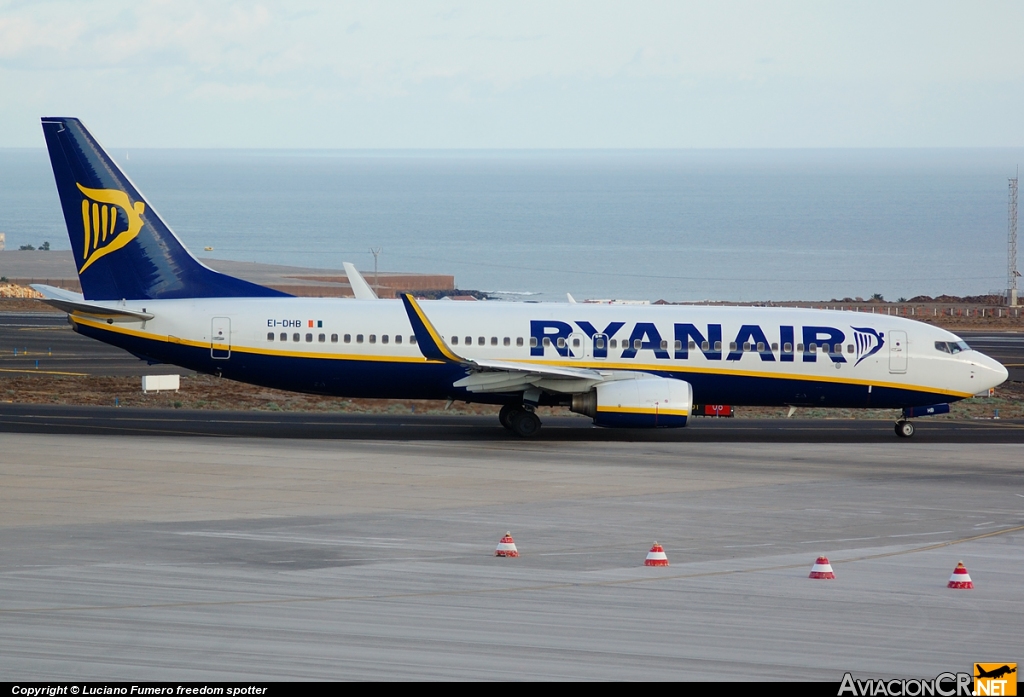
(208, 392)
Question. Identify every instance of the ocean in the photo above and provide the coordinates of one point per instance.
(745, 225)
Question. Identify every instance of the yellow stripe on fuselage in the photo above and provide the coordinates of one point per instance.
(597, 365)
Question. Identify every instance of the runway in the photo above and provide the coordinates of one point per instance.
(196, 558)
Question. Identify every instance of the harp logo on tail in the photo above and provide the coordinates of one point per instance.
(110, 221)
(867, 341)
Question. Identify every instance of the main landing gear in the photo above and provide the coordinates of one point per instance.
(904, 429)
(520, 420)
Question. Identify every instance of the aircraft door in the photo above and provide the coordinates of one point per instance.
(577, 344)
(600, 345)
(220, 338)
(898, 352)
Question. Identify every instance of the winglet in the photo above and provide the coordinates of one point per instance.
(360, 288)
(432, 346)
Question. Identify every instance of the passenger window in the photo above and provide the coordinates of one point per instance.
(507, 341)
(787, 347)
(746, 345)
(799, 347)
(813, 348)
(599, 344)
(637, 343)
(494, 341)
(373, 338)
(825, 348)
(309, 337)
(849, 348)
(613, 343)
(533, 342)
(480, 341)
(775, 347)
(561, 342)
(295, 337)
(334, 338)
(284, 337)
(575, 343)
(519, 341)
(384, 339)
(679, 345)
(270, 336)
(398, 338)
(455, 341)
(322, 338)
(732, 345)
(760, 346)
(469, 341)
(664, 344)
(412, 339)
(547, 341)
(718, 345)
(348, 338)
(359, 338)
(704, 346)
(693, 344)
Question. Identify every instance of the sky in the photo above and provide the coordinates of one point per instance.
(521, 74)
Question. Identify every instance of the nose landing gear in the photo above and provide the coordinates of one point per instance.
(904, 428)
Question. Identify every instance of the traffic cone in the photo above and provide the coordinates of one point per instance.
(960, 578)
(822, 569)
(656, 557)
(507, 547)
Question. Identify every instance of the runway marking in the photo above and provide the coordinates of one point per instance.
(40, 372)
(492, 591)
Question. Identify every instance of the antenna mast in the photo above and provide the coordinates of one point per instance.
(1011, 243)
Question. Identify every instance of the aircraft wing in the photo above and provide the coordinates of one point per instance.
(72, 302)
(499, 376)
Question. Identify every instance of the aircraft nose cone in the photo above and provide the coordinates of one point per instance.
(991, 372)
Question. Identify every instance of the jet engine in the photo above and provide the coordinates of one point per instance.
(642, 402)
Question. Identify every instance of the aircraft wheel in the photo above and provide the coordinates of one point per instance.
(525, 424)
(904, 429)
(506, 414)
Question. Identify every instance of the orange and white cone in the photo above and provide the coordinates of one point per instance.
(656, 557)
(507, 547)
(960, 578)
(822, 569)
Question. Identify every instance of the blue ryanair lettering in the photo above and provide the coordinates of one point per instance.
(751, 333)
(823, 335)
(650, 339)
(552, 330)
(786, 339)
(609, 332)
(685, 332)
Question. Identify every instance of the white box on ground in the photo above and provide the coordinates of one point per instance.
(155, 383)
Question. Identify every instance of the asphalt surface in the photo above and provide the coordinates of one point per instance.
(45, 418)
(185, 558)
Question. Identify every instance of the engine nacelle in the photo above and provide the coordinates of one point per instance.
(642, 402)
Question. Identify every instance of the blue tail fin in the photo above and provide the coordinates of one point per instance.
(122, 248)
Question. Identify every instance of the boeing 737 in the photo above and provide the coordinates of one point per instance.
(623, 366)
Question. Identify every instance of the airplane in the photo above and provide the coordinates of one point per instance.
(634, 366)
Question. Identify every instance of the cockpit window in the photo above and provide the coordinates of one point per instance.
(952, 346)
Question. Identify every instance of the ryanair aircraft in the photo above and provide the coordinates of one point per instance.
(624, 366)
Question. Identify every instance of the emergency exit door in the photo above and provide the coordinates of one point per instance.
(897, 352)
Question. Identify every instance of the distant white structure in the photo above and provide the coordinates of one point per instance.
(3, 241)
(1011, 242)
(156, 383)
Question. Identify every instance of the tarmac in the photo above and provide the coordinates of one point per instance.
(146, 544)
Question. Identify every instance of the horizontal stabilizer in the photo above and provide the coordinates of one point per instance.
(72, 302)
